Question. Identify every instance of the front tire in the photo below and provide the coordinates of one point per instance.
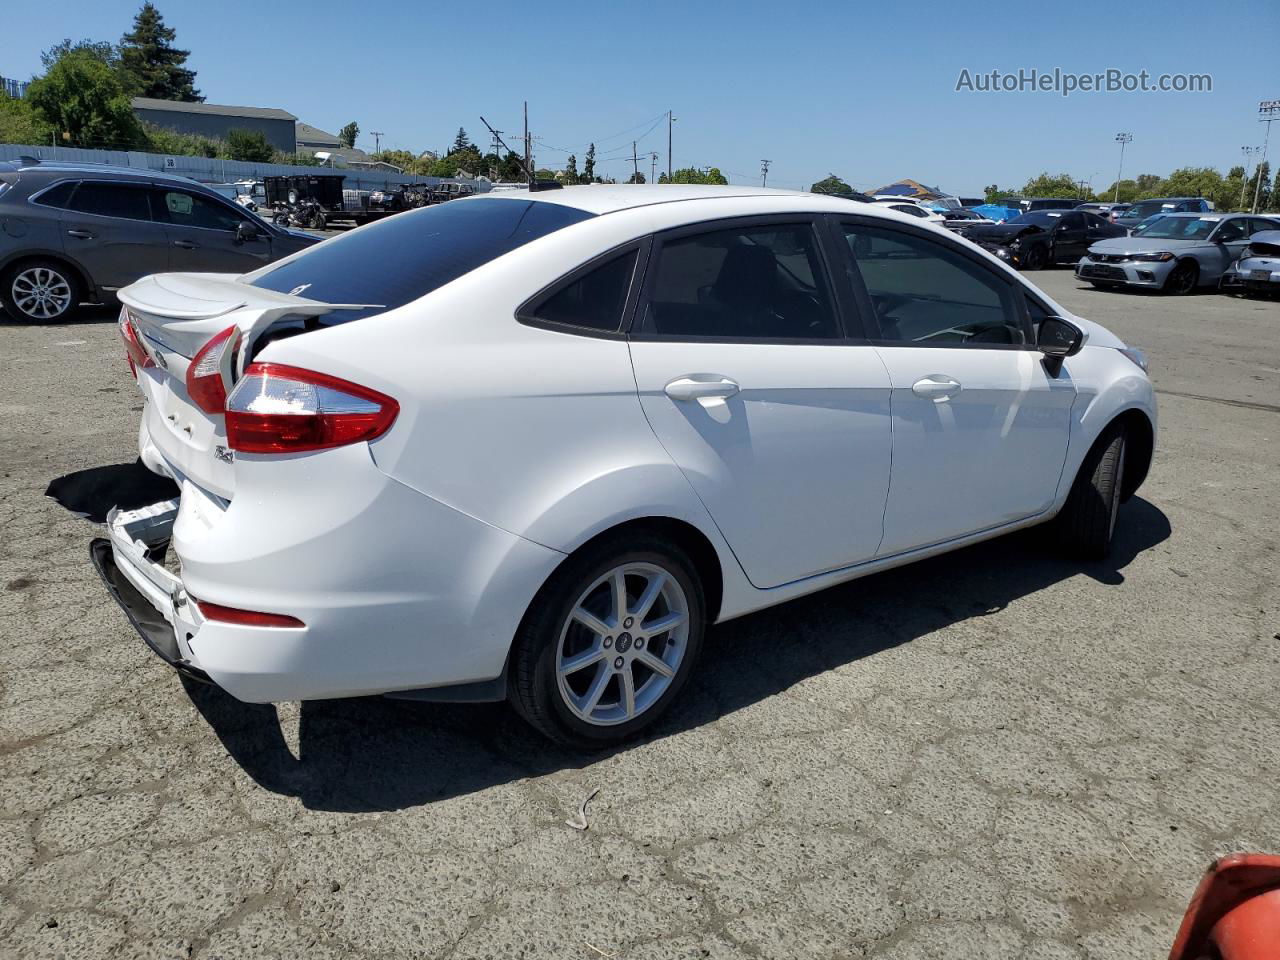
(40, 291)
(1087, 522)
(1182, 279)
(1036, 258)
(609, 642)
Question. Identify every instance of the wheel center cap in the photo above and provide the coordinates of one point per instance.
(623, 643)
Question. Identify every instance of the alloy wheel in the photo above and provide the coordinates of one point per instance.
(622, 644)
(41, 293)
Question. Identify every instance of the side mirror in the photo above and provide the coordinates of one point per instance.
(1058, 339)
(246, 232)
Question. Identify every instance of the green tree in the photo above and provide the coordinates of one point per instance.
(832, 186)
(162, 140)
(636, 177)
(589, 167)
(1047, 185)
(404, 159)
(82, 100)
(711, 175)
(147, 55)
(1148, 185)
(1260, 183)
(461, 142)
(19, 123)
(468, 160)
(250, 145)
(571, 169)
(108, 53)
(348, 135)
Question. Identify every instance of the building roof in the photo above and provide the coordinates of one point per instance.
(214, 109)
(308, 134)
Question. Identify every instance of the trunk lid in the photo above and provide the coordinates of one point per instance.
(178, 313)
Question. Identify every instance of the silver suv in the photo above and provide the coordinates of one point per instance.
(74, 233)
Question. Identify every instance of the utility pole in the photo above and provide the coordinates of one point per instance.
(635, 164)
(528, 160)
(377, 140)
(670, 120)
(1269, 109)
(1122, 139)
(1244, 181)
(764, 171)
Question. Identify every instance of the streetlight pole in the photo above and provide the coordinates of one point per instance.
(764, 172)
(1244, 181)
(1122, 139)
(1269, 109)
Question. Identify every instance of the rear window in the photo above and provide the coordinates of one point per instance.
(406, 256)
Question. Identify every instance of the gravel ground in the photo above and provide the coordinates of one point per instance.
(995, 754)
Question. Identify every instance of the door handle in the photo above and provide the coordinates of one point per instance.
(185, 244)
(80, 234)
(700, 386)
(936, 387)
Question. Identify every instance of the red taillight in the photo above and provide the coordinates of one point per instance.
(210, 371)
(245, 618)
(280, 409)
(134, 351)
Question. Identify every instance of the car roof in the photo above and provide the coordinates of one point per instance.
(1206, 215)
(54, 167)
(609, 198)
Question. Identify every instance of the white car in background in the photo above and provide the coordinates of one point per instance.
(531, 446)
(910, 208)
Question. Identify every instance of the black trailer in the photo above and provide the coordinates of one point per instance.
(313, 200)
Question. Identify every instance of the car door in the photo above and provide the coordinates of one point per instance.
(1225, 245)
(980, 427)
(108, 228)
(202, 232)
(778, 419)
(1069, 237)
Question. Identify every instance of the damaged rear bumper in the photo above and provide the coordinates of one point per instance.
(151, 597)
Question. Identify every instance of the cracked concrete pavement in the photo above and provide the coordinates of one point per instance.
(995, 754)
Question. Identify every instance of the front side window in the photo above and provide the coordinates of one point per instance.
(184, 209)
(741, 283)
(594, 301)
(1231, 231)
(397, 260)
(111, 200)
(925, 293)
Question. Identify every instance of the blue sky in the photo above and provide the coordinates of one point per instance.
(865, 91)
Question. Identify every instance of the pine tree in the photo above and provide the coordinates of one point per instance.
(571, 170)
(589, 165)
(461, 141)
(147, 55)
(348, 135)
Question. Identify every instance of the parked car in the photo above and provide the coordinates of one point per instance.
(536, 462)
(1043, 237)
(1107, 211)
(1031, 204)
(910, 208)
(962, 219)
(78, 232)
(1146, 208)
(1176, 254)
(1258, 269)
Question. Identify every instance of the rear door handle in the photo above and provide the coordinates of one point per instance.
(936, 387)
(185, 244)
(699, 386)
(80, 234)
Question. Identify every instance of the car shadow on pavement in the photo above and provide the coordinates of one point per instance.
(374, 754)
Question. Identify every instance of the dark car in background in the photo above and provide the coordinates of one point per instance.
(1143, 209)
(1043, 237)
(1030, 204)
(76, 233)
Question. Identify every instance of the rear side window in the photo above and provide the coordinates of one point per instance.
(192, 210)
(111, 200)
(397, 260)
(594, 301)
(58, 195)
(743, 283)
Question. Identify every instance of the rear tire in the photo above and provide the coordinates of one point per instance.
(1087, 522)
(41, 291)
(614, 695)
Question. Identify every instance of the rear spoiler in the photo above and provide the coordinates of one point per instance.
(203, 296)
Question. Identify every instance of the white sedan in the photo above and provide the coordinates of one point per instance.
(531, 446)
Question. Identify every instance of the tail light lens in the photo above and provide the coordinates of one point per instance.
(245, 618)
(281, 409)
(134, 351)
(210, 371)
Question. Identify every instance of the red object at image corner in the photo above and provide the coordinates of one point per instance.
(1235, 913)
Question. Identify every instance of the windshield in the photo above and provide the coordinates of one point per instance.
(404, 257)
(1180, 228)
(1141, 228)
(1040, 218)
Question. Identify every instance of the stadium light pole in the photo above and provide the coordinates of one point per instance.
(1122, 139)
